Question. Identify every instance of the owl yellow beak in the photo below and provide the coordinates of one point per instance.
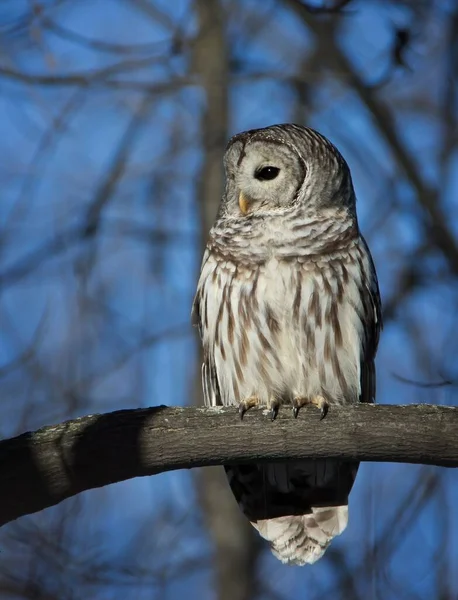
(244, 203)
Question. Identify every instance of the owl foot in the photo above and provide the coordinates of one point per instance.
(247, 404)
(274, 405)
(317, 401)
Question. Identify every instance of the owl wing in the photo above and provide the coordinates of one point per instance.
(196, 313)
(372, 326)
(210, 385)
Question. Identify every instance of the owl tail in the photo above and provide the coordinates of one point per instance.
(298, 506)
(303, 539)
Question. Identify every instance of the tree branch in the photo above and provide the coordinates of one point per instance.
(43, 468)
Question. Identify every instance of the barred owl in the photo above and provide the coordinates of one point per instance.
(288, 311)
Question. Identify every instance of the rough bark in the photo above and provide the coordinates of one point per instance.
(43, 468)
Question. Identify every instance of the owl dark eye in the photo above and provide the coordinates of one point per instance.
(266, 173)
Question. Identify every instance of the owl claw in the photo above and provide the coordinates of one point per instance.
(245, 405)
(317, 401)
(322, 404)
(297, 404)
(324, 410)
(274, 406)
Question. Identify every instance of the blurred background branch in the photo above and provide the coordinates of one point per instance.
(115, 116)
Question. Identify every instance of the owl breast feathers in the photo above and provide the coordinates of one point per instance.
(288, 311)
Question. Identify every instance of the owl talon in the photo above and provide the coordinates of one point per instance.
(318, 401)
(297, 404)
(274, 406)
(322, 404)
(324, 411)
(245, 405)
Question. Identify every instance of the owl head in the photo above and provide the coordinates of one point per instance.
(270, 170)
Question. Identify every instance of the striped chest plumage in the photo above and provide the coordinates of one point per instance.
(285, 326)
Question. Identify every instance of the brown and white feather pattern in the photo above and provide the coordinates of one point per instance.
(287, 304)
